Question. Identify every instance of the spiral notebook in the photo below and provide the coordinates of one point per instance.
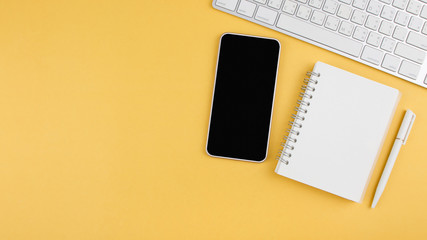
(337, 132)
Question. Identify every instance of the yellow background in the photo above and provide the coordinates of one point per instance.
(104, 111)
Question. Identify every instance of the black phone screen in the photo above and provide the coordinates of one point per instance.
(243, 97)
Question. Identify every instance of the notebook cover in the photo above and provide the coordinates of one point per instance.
(342, 134)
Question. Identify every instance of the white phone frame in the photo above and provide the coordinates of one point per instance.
(272, 105)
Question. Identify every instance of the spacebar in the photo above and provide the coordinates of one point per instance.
(319, 35)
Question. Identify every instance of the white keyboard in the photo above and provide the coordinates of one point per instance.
(389, 35)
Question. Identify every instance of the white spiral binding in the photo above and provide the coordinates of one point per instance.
(301, 109)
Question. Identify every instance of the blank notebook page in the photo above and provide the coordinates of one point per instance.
(342, 134)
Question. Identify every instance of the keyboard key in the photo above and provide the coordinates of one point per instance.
(345, 1)
(410, 53)
(388, 13)
(372, 22)
(374, 7)
(332, 23)
(303, 12)
(400, 33)
(266, 15)
(386, 28)
(400, 3)
(246, 8)
(275, 3)
(330, 6)
(315, 3)
(415, 23)
(391, 62)
(358, 17)
(344, 11)
(346, 28)
(402, 18)
(388, 44)
(318, 18)
(361, 4)
(424, 12)
(414, 7)
(409, 69)
(227, 4)
(360, 34)
(417, 40)
(374, 39)
(319, 35)
(290, 7)
(372, 55)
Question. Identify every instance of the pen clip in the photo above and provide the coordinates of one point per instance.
(406, 126)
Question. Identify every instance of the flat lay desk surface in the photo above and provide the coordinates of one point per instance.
(104, 114)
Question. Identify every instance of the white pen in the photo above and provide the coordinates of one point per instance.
(401, 138)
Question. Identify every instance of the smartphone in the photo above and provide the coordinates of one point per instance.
(242, 101)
